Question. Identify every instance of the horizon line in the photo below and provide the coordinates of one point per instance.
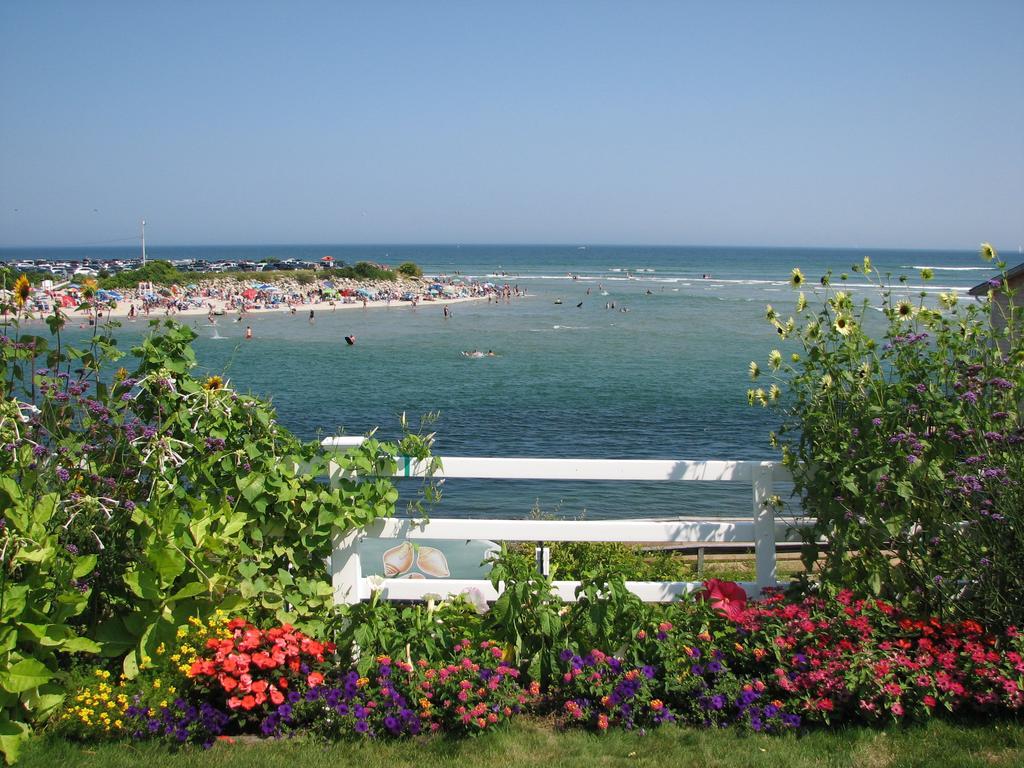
(568, 244)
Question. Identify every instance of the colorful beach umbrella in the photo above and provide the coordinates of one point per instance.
(250, 293)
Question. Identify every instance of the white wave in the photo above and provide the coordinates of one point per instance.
(950, 269)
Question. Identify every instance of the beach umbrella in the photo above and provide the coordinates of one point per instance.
(117, 296)
(327, 259)
(250, 293)
(364, 292)
(328, 284)
(67, 301)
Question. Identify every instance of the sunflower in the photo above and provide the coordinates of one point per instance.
(775, 359)
(905, 310)
(755, 369)
(927, 273)
(88, 288)
(796, 277)
(867, 264)
(774, 392)
(769, 313)
(22, 290)
(840, 301)
(801, 302)
(843, 324)
(212, 383)
(988, 252)
(948, 300)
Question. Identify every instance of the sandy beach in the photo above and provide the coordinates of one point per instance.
(242, 298)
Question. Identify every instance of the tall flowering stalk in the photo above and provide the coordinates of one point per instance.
(902, 429)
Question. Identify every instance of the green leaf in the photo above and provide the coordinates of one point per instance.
(84, 566)
(13, 601)
(143, 584)
(25, 675)
(169, 563)
(189, 590)
(251, 486)
(114, 638)
(80, 645)
(12, 733)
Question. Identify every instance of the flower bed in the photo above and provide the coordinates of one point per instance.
(774, 666)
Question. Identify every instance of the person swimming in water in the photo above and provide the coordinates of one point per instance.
(350, 340)
(248, 331)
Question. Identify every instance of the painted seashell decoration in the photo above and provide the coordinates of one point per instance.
(432, 562)
(415, 575)
(398, 559)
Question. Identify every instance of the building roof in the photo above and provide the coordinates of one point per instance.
(1012, 275)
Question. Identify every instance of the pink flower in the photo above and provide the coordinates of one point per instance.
(727, 597)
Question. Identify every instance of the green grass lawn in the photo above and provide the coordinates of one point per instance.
(534, 743)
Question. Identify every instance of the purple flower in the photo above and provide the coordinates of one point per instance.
(63, 475)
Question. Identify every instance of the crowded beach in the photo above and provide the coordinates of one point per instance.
(262, 293)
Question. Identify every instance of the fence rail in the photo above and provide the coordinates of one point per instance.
(760, 529)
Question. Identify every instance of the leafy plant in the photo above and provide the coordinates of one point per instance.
(903, 433)
(134, 500)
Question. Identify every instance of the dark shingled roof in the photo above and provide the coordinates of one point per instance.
(1012, 275)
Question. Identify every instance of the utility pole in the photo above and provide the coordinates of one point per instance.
(143, 242)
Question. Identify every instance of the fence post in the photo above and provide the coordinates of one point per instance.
(764, 528)
(346, 569)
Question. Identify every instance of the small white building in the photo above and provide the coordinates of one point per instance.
(1000, 299)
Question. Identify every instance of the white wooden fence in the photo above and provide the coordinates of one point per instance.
(760, 528)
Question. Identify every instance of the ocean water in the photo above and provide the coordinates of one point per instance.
(667, 379)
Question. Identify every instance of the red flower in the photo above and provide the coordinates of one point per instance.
(314, 679)
(727, 597)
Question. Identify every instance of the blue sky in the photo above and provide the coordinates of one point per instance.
(777, 123)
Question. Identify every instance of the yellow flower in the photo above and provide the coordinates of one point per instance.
(801, 302)
(796, 278)
(988, 252)
(156, 683)
(775, 359)
(826, 381)
(948, 300)
(88, 288)
(770, 314)
(755, 370)
(774, 392)
(22, 290)
(761, 397)
(212, 383)
(844, 325)
(905, 310)
(867, 264)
